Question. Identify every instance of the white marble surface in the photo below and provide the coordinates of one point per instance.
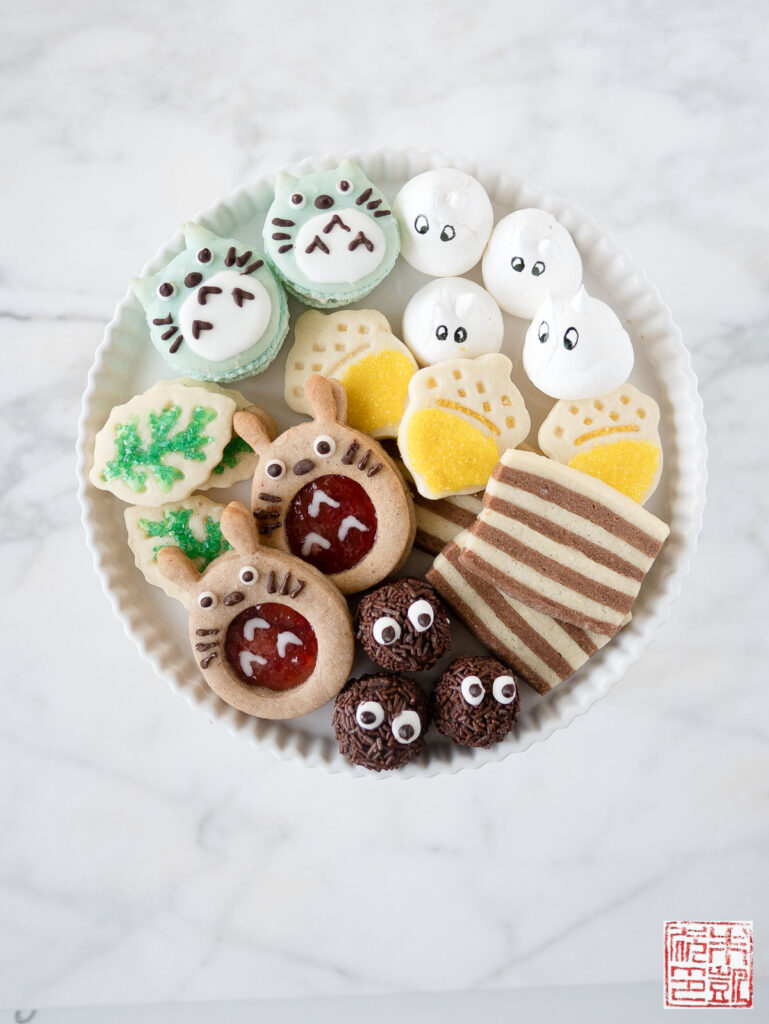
(145, 855)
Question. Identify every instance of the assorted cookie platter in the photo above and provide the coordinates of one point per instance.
(434, 522)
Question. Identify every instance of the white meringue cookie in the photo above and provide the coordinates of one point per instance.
(577, 348)
(528, 255)
(445, 220)
(452, 318)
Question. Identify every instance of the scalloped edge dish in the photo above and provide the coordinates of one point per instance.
(637, 303)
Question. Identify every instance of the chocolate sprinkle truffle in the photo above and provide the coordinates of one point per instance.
(403, 626)
(476, 702)
(380, 721)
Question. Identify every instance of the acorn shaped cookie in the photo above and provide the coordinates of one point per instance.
(271, 636)
(329, 494)
(380, 721)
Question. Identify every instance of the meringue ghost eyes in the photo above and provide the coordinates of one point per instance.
(406, 727)
(517, 264)
(421, 224)
(570, 338)
(538, 268)
(544, 332)
(386, 631)
(442, 332)
(460, 335)
(448, 234)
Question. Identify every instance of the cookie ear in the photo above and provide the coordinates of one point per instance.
(239, 528)
(175, 566)
(253, 429)
(327, 399)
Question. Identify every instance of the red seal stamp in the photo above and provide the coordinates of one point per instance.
(709, 963)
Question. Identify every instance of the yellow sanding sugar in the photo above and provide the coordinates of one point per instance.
(627, 466)
(449, 453)
(376, 388)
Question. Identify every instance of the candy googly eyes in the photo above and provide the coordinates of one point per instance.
(406, 727)
(472, 690)
(324, 446)
(421, 224)
(205, 256)
(207, 600)
(448, 234)
(421, 615)
(166, 290)
(543, 332)
(537, 269)
(386, 631)
(248, 574)
(343, 186)
(297, 200)
(369, 714)
(570, 338)
(275, 469)
(517, 264)
(504, 689)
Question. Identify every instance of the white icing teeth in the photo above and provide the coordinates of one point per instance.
(339, 247)
(577, 348)
(314, 540)
(350, 523)
(225, 315)
(529, 255)
(252, 625)
(320, 498)
(284, 639)
(248, 660)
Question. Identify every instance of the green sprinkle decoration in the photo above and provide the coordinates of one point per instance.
(231, 454)
(176, 525)
(134, 459)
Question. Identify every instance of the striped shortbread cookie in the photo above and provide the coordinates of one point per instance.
(562, 542)
(438, 522)
(538, 648)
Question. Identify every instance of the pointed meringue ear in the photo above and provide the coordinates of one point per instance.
(175, 566)
(327, 399)
(239, 528)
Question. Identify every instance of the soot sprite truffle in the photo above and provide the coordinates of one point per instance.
(380, 721)
(475, 702)
(403, 626)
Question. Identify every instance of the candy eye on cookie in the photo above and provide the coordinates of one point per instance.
(248, 574)
(369, 714)
(386, 631)
(275, 469)
(472, 690)
(407, 727)
(324, 446)
(207, 600)
(421, 615)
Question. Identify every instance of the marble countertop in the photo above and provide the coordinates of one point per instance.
(146, 855)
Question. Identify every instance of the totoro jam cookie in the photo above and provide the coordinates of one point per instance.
(271, 636)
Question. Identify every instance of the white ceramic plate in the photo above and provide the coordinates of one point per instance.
(126, 363)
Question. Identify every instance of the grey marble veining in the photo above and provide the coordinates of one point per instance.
(147, 856)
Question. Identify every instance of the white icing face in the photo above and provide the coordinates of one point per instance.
(577, 348)
(530, 254)
(224, 316)
(452, 318)
(445, 219)
(339, 247)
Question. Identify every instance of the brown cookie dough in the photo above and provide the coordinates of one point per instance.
(380, 721)
(403, 626)
(476, 702)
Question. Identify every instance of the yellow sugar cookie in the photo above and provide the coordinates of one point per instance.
(358, 348)
(614, 438)
(462, 414)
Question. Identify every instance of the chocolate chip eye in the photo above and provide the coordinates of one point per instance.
(166, 290)
(343, 185)
(544, 332)
(324, 446)
(460, 335)
(571, 338)
(207, 599)
(421, 615)
(369, 714)
(386, 631)
(275, 469)
(517, 264)
(504, 689)
(538, 268)
(297, 200)
(442, 332)
(406, 727)
(421, 224)
(472, 690)
(448, 233)
(205, 256)
(248, 574)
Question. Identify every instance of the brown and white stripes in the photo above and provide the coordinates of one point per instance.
(561, 542)
(538, 648)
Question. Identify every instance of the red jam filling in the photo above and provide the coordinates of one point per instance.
(331, 523)
(271, 645)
